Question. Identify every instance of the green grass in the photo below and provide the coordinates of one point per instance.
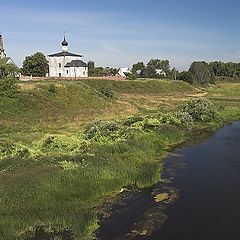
(62, 191)
(64, 174)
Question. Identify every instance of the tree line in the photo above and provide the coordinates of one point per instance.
(200, 71)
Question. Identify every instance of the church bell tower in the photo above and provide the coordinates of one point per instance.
(2, 51)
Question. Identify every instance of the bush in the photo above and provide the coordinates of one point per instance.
(200, 109)
(8, 87)
(131, 120)
(105, 92)
(59, 142)
(168, 118)
(52, 88)
(151, 123)
(186, 76)
(186, 119)
(100, 129)
(131, 76)
(10, 149)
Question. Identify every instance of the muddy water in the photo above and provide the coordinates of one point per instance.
(206, 179)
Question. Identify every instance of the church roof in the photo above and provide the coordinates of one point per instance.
(65, 54)
(76, 63)
(64, 43)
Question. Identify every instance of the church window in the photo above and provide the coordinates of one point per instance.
(59, 65)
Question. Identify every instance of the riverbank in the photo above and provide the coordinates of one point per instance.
(56, 168)
(209, 186)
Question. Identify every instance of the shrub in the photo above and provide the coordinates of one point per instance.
(10, 149)
(131, 76)
(105, 92)
(8, 87)
(131, 120)
(186, 119)
(52, 88)
(100, 129)
(168, 118)
(57, 142)
(151, 123)
(200, 109)
(186, 76)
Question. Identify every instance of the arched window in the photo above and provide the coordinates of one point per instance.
(59, 65)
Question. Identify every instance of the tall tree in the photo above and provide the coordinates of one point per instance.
(218, 68)
(202, 72)
(91, 66)
(138, 68)
(35, 65)
(159, 64)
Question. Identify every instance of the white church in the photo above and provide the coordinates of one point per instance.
(66, 64)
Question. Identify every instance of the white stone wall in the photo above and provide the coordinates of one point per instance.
(56, 67)
(76, 72)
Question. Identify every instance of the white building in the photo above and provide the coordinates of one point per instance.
(123, 71)
(67, 64)
(161, 72)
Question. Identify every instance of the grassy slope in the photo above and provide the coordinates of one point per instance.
(38, 111)
(38, 190)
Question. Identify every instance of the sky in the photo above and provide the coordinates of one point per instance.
(118, 33)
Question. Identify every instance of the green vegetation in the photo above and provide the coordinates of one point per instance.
(8, 69)
(67, 146)
(100, 71)
(222, 69)
(186, 76)
(8, 87)
(202, 73)
(35, 65)
(150, 69)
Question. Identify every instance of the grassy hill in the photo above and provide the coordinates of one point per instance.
(58, 164)
(38, 110)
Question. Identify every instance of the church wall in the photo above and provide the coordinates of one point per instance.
(56, 65)
(77, 72)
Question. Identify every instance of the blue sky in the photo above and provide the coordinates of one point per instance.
(120, 33)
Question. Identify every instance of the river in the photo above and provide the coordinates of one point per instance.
(206, 178)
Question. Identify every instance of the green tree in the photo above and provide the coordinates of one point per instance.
(185, 76)
(202, 72)
(229, 69)
(91, 67)
(35, 65)
(8, 69)
(159, 64)
(218, 68)
(149, 72)
(138, 68)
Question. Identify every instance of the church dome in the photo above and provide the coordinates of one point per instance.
(64, 43)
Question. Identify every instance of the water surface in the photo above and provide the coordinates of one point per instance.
(208, 206)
